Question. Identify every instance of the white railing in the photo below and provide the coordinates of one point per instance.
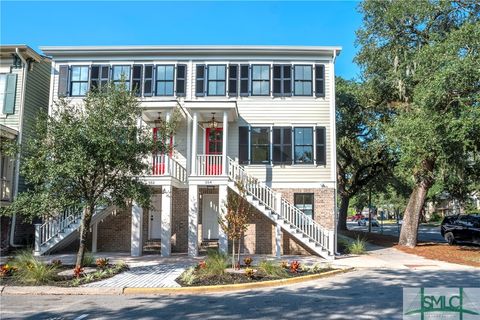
(56, 225)
(208, 165)
(164, 165)
(287, 211)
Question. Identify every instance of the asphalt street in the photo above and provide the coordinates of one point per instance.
(425, 232)
(363, 294)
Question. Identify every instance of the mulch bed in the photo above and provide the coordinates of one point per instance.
(461, 254)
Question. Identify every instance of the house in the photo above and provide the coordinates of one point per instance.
(261, 112)
(24, 94)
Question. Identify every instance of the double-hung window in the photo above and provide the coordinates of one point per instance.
(121, 74)
(260, 80)
(79, 80)
(99, 77)
(304, 202)
(303, 80)
(282, 145)
(164, 80)
(216, 77)
(260, 145)
(303, 148)
(282, 80)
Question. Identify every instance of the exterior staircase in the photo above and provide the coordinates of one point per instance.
(281, 212)
(61, 230)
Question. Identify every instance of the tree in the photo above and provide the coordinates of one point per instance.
(362, 154)
(422, 58)
(88, 155)
(235, 220)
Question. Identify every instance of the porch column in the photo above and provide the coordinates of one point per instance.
(222, 205)
(137, 226)
(167, 164)
(38, 240)
(166, 215)
(278, 240)
(194, 143)
(94, 237)
(192, 220)
(224, 146)
(189, 146)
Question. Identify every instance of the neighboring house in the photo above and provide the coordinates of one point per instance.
(24, 94)
(264, 112)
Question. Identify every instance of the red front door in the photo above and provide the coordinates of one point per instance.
(213, 149)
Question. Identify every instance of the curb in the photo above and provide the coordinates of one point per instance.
(234, 287)
(51, 290)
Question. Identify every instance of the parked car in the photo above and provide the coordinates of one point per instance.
(364, 222)
(461, 228)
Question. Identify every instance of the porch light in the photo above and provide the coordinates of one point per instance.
(213, 123)
(159, 121)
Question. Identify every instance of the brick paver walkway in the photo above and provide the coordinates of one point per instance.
(154, 276)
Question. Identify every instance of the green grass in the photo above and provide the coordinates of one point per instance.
(32, 271)
(272, 269)
(358, 246)
(88, 259)
(216, 263)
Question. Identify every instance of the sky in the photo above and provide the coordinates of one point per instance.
(58, 23)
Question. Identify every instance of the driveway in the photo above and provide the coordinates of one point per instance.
(365, 294)
(426, 232)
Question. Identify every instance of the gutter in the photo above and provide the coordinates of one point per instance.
(19, 142)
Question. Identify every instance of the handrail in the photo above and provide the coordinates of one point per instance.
(278, 204)
(209, 164)
(165, 165)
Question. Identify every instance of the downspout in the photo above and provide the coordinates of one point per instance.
(25, 64)
(334, 153)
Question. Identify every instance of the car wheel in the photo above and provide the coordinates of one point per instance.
(450, 238)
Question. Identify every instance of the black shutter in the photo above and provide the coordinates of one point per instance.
(233, 80)
(282, 145)
(181, 76)
(200, 80)
(277, 80)
(320, 80)
(243, 145)
(321, 145)
(137, 79)
(287, 80)
(244, 77)
(94, 77)
(148, 81)
(63, 81)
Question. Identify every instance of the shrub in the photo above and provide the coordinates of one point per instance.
(188, 277)
(284, 264)
(56, 262)
(435, 217)
(88, 259)
(102, 263)
(294, 266)
(357, 247)
(215, 263)
(249, 272)
(248, 261)
(272, 269)
(30, 270)
(77, 272)
(6, 270)
(202, 265)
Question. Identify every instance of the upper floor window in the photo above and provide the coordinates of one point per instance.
(121, 73)
(99, 76)
(303, 80)
(216, 77)
(164, 80)
(260, 145)
(282, 145)
(282, 80)
(260, 80)
(303, 149)
(79, 80)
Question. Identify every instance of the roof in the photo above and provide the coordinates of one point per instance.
(190, 50)
(26, 51)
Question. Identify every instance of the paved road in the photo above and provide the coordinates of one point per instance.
(425, 232)
(364, 294)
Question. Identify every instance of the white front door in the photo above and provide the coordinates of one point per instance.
(155, 225)
(210, 216)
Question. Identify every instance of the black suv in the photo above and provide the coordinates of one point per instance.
(462, 228)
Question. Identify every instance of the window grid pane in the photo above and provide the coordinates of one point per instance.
(260, 145)
(164, 80)
(79, 80)
(216, 80)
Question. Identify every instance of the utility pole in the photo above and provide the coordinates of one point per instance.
(370, 210)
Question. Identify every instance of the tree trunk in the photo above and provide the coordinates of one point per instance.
(233, 253)
(411, 217)
(343, 212)
(84, 228)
